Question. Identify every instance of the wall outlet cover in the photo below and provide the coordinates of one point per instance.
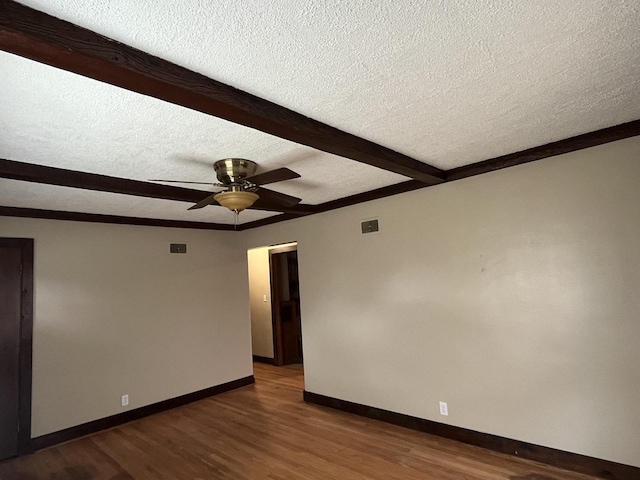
(444, 410)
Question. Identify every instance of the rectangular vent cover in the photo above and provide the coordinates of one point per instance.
(178, 248)
(370, 226)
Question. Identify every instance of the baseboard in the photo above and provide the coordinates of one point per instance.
(259, 359)
(559, 458)
(71, 433)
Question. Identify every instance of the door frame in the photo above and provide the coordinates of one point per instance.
(276, 325)
(26, 340)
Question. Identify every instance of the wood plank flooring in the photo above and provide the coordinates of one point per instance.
(265, 431)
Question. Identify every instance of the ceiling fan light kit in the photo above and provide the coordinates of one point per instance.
(236, 201)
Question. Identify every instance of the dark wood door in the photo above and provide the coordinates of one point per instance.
(287, 325)
(15, 326)
(291, 322)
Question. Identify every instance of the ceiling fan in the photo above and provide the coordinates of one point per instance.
(242, 188)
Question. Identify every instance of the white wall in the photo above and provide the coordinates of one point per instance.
(512, 295)
(259, 288)
(115, 313)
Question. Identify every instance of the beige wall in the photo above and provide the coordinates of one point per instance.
(259, 287)
(116, 314)
(513, 296)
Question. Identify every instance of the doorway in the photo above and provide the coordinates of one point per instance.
(16, 334)
(285, 305)
(276, 326)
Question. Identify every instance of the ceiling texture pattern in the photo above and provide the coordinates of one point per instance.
(448, 83)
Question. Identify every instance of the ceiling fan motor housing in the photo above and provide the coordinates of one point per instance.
(233, 170)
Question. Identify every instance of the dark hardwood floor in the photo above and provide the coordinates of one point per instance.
(265, 431)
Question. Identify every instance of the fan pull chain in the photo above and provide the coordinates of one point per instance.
(236, 213)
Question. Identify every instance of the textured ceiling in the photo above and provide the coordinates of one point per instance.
(447, 82)
(56, 118)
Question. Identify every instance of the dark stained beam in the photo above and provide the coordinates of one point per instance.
(91, 181)
(113, 219)
(46, 39)
(268, 221)
(371, 195)
(579, 142)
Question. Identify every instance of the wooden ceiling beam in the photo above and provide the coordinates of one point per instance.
(91, 181)
(35, 35)
(567, 145)
(112, 219)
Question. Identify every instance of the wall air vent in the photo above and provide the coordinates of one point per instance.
(370, 226)
(178, 248)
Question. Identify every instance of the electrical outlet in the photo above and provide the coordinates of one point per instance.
(125, 400)
(444, 410)
(264, 298)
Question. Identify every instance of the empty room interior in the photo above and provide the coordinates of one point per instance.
(320, 240)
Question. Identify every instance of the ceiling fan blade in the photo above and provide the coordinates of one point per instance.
(270, 196)
(180, 181)
(204, 202)
(273, 176)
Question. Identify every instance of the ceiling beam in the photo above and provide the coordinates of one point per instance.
(267, 221)
(567, 145)
(35, 35)
(382, 192)
(91, 181)
(113, 219)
